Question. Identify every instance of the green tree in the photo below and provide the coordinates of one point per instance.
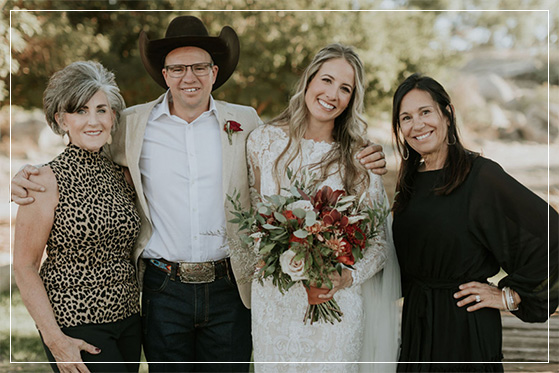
(26, 27)
(275, 46)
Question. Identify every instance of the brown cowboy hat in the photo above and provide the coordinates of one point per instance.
(189, 31)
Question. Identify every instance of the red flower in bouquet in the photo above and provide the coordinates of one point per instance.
(355, 236)
(326, 197)
(231, 127)
(289, 215)
(295, 239)
(342, 250)
(346, 257)
(334, 218)
(337, 245)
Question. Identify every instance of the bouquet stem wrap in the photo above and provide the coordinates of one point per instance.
(320, 308)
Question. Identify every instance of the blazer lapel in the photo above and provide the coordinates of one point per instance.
(227, 150)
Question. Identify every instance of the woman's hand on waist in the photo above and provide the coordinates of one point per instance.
(478, 295)
(66, 351)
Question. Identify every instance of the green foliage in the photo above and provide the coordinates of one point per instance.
(25, 341)
(275, 46)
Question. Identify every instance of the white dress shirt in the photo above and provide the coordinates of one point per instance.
(181, 172)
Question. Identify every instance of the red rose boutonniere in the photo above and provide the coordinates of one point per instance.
(231, 127)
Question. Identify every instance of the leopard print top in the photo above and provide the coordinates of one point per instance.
(88, 273)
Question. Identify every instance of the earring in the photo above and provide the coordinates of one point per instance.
(110, 139)
(66, 139)
(406, 154)
(453, 142)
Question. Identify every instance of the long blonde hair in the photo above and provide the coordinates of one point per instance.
(349, 126)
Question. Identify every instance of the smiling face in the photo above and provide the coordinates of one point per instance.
(424, 126)
(191, 93)
(329, 92)
(90, 126)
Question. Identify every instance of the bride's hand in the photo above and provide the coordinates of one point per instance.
(338, 282)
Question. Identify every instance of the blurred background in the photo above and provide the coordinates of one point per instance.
(498, 59)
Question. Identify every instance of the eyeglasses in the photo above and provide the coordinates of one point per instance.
(198, 69)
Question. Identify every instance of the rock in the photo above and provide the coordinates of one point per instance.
(498, 116)
(494, 88)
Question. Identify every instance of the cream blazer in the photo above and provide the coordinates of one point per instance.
(127, 147)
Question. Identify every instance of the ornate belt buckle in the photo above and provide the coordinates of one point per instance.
(197, 273)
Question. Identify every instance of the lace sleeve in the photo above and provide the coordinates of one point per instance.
(375, 255)
(254, 154)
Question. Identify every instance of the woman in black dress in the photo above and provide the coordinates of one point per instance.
(458, 219)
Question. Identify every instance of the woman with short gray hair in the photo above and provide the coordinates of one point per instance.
(71, 88)
(84, 297)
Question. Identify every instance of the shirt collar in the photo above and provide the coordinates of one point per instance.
(163, 107)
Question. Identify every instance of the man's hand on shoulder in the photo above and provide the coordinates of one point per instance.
(21, 184)
(372, 157)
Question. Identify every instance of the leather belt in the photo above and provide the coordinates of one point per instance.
(191, 272)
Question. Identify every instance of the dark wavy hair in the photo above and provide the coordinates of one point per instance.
(459, 159)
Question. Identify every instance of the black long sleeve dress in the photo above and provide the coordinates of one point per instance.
(490, 221)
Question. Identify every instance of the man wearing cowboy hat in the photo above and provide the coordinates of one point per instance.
(184, 158)
(183, 163)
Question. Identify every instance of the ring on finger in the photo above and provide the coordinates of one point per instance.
(478, 298)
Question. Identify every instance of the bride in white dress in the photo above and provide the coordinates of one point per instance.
(322, 130)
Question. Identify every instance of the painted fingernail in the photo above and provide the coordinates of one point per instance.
(97, 349)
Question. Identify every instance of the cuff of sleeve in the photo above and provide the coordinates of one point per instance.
(355, 277)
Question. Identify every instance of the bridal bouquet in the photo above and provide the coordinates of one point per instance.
(304, 236)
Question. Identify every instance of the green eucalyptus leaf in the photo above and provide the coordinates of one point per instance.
(301, 233)
(279, 217)
(270, 227)
(300, 213)
(267, 248)
(310, 218)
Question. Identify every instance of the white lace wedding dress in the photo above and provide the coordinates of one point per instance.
(279, 334)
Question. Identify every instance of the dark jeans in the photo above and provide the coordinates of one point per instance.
(185, 324)
(119, 343)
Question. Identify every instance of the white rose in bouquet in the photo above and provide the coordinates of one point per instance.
(294, 268)
(303, 205)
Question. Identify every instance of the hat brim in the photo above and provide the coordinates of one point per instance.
(224, 50)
